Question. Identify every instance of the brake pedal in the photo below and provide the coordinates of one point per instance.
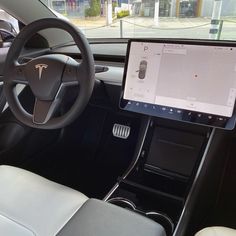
(121, 131)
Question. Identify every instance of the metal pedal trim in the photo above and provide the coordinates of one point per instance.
(121, 131)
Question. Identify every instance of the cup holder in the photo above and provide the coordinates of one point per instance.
(158, 217)
(163, 220)
(122, 202)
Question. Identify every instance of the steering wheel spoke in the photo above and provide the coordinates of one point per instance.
(44, 110)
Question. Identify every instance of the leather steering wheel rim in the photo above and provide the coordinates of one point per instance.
(70, 73)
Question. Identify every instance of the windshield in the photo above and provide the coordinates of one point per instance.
(195, 19)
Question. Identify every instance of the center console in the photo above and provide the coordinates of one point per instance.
(159, 180)
(186, 95)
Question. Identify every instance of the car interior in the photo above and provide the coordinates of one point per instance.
(114, 137)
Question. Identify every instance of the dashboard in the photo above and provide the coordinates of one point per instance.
(186, 81)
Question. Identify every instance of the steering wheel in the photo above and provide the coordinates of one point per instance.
(47, 77)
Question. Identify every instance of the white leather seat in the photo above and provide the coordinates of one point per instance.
(216, 231)
(32, 205)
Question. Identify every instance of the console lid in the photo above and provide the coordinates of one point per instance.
(98, 218)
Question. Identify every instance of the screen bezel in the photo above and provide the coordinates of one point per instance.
(124, 102)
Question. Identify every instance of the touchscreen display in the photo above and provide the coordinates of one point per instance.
(198, 78)
(193, 77)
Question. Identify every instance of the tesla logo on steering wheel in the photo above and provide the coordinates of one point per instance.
(40, 67)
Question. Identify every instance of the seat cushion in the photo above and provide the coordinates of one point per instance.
(98, 218)
(216, 231)
(33, 205)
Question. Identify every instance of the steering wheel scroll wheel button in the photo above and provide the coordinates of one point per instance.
(71, 73)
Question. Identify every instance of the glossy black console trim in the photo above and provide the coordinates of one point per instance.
(137, 155)
(185, 215)
(152, 191)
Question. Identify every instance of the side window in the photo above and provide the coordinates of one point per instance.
(8, 30)
(8, 22)
(8, 27)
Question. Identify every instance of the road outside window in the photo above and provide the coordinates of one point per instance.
(199, 19)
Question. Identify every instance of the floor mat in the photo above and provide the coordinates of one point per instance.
(88, 157)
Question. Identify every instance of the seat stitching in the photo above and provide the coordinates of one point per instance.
(16, 222)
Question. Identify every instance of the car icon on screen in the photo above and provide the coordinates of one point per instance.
(142, 69)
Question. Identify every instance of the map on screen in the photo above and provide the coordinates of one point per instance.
(192, 77)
